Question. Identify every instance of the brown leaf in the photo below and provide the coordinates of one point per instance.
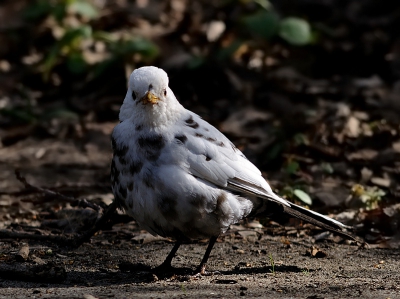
(314, 251)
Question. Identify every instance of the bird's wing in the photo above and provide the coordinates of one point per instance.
(212, 157)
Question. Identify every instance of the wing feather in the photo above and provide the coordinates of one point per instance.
(212, 157)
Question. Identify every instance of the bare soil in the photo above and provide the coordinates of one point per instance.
(105, 270)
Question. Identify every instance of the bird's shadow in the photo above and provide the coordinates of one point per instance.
(140, 273)
(182, 273)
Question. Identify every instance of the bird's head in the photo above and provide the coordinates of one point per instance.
(149, 99)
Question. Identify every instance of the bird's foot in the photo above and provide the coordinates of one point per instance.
(201, 271)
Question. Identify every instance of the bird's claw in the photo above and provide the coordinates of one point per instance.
(201, 271)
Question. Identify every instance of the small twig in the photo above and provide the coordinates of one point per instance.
(63, 240)
(51, 194)
(75, 240)
(85, 237)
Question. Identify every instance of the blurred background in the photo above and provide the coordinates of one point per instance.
(309, 90)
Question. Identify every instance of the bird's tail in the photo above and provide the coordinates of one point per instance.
(319, 220)
(274, 210)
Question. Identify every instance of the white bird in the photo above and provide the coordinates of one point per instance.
(179, 177)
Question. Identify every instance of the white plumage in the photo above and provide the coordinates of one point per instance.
(177, 175)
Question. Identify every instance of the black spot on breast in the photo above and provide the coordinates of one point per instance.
(121, 151)
(150, 86)
(148, 181)
(198, 135)
(208, 158)
(152, 145)
(211, 139)
(139, 127)
(167, 206)
(122, 160)
(153, 142)
(191, 123)
(122, 191)
(181, 138)
(135, 167)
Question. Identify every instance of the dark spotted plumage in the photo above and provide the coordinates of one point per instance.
(135, 167)
(154, 142)
(167, 206)
(148, 180)
(122, 191)
(122, 160)
(121, 150)
(114, 173)
(182, 138)
(191, 123)
(152, 145)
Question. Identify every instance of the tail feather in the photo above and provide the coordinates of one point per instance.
(319, 220)
(265, 207)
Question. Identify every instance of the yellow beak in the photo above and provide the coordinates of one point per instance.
(149, 98)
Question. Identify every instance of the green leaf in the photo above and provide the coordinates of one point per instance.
(227, 52)
(72, 34)
(20, 114)
(196, 62)
(62, 113)
(292, 167)
(76, 64)
(263, 24)
(84, 9)
(135, 45)
(304, 197)
(327, 167)
(41, 9)
(295, 31)
(300, 139)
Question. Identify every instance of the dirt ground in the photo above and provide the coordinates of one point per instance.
(103, 270)
(117, 262)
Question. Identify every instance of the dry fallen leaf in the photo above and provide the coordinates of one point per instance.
(314, 251)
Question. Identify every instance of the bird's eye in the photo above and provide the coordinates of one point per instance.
(165, 92)
(133, 95)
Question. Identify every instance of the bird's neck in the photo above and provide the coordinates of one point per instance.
(158, 116)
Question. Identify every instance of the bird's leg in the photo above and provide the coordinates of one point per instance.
(166, 265)
(201, 269)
